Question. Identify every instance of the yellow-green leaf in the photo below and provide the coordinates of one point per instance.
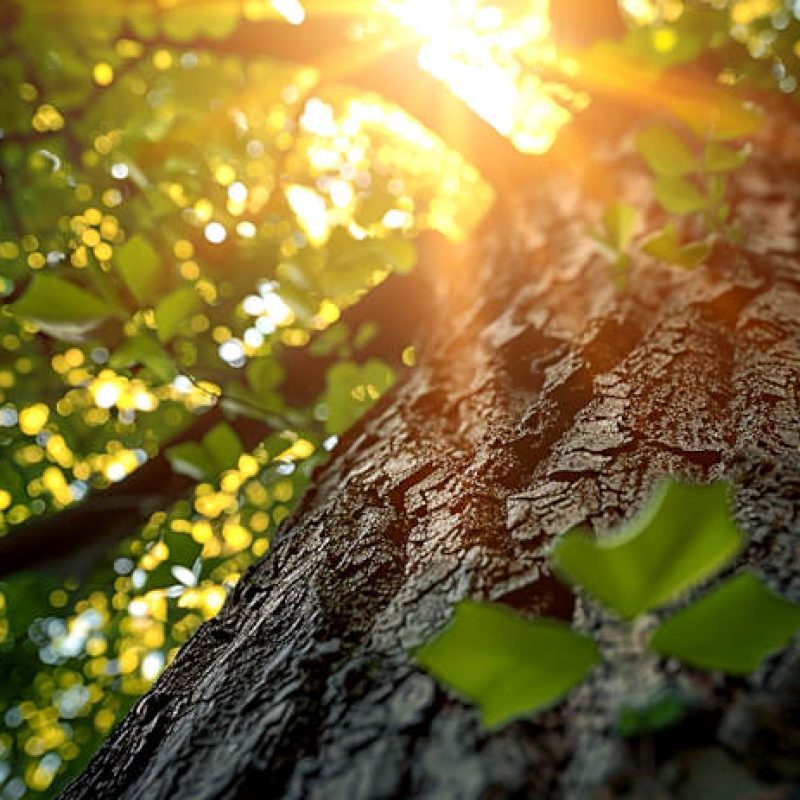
(140, 265)
(679, 195)
(665, 152)
(619, 221)
(508, 665)
(718, 157)
(146, 351)
(684, 536)
(60, 308)
(731, 629)
(223, 446)
(174, 310)
(666, 246)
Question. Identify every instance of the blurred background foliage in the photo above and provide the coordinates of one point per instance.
(176, 220)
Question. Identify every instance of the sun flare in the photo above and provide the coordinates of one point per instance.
(488, 56)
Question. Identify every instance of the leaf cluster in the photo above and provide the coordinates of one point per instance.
(513, 666)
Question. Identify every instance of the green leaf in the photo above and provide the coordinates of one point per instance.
(692, 254)
(263, 406)
(10, 478)
(375, 205)
(173, 311)
(717, 184)
(351, 389)
(219, 451)
(400, 253)
(25, 597)
(665, 152)
(366, 332)
(621, 271)
(144, 350)
(665, 246)
(350, 264)
(732, 629)
(619, 221)
(736, 118)
(508, 665)
(667, 708)
(719, 114)
(161, 577)
(331, 340)
(679, 195)
(190, 459)
(140, 266)
(685, 535)
(264, 374)
(718, 157)
(659, 46)
(223, 446)
(183, 549)
(54, 303)
(184, 23)
(732, 118)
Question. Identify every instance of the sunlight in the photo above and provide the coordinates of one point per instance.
(291, 10)
(480, 52)
(311, 210)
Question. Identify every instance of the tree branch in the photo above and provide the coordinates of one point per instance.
(109, 515)
(72, 538)
(390, 70)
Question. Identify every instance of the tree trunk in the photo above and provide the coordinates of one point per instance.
(544, 399)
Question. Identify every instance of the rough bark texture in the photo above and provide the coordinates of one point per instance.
(544, 400)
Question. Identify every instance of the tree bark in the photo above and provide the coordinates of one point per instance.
(544, 399)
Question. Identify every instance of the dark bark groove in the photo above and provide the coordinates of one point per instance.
(545, 399)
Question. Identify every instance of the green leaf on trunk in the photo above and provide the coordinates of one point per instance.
(619, 221)
(665, 246)
(685, 535)
(665, 152)
(732, 629)
(721, 116)
(663, 710)
(508, 665)
(679, 195)
(718, 157)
